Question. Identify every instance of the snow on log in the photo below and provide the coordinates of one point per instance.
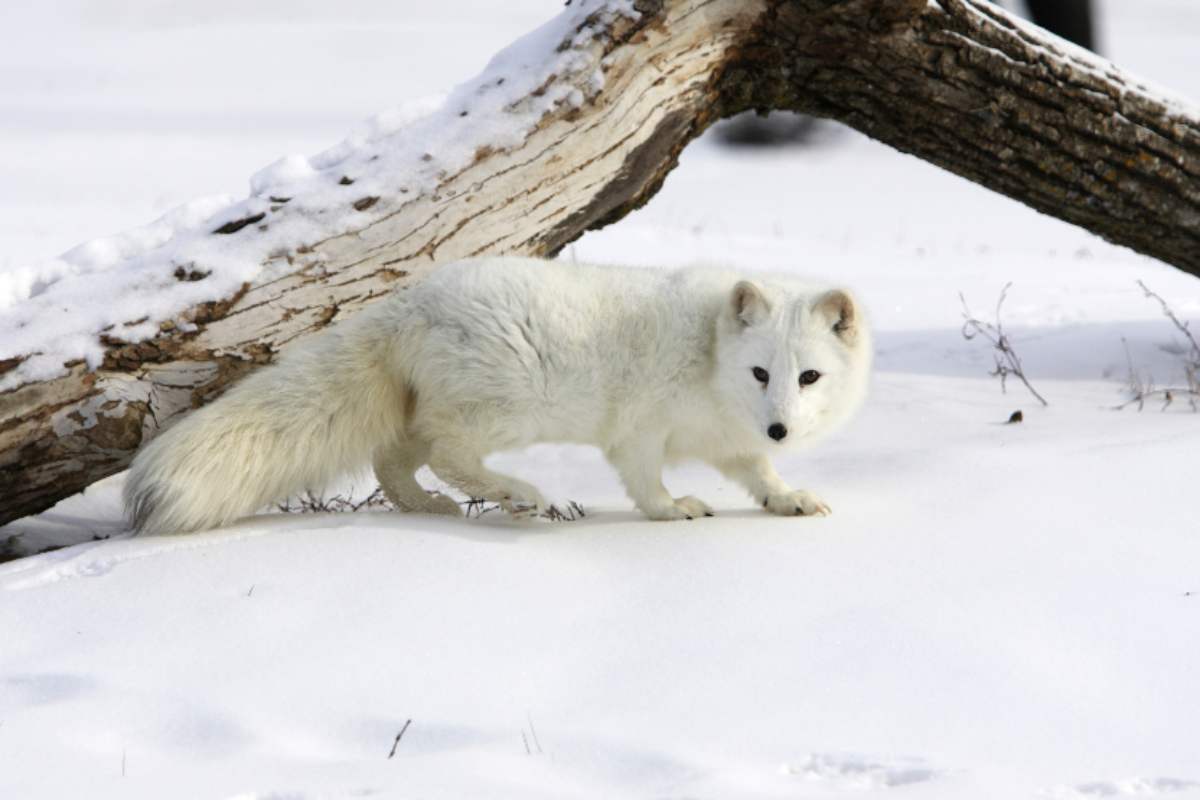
(567, 130)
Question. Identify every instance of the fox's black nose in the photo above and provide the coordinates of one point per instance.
(777, 432)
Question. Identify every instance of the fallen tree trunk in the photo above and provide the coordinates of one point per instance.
(964, 85)
(621, 90)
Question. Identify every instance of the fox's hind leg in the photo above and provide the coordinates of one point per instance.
(460, 464)
(395, 467)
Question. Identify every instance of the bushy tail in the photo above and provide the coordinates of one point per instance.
(321, 411)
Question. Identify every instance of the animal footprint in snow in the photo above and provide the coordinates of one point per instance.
(1131, 787)
(43, 688)
(850, 771)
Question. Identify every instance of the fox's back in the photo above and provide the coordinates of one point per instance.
(566, 346)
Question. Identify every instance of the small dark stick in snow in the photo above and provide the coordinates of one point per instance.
(396, 743)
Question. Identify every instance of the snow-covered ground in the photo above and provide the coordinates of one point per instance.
(992, 611)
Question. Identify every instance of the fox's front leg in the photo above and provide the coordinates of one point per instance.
(757, 474)
(640, 465)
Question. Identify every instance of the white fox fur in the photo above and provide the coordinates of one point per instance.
(493, 354)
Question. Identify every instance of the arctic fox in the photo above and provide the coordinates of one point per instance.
(651, 366)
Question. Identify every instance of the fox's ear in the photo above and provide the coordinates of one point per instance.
(749, 305)
(838, 308)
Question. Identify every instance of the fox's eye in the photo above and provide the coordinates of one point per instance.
(809, 377)
(761, 374)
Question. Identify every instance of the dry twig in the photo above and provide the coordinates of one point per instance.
(572, 512)
(314, 503)
(399, 735)
(474, 507)
(1007, 360)
(1141, 390)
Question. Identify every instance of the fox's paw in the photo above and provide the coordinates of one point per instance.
(682, 508)
(424, 502)
(796, 504)
(524, 502)
(444, 504)
(522, 510)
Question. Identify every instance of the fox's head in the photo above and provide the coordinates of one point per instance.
(794, 365)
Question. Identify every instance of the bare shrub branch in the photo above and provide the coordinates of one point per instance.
(1007, 360)
(473, 507)
(1193, 352)
(476, 507)
(1142, 389)
(317, 503)
(572, 512)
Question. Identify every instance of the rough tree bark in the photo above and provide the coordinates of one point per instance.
(957, 82)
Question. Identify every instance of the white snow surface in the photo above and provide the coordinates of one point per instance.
(992, 611)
